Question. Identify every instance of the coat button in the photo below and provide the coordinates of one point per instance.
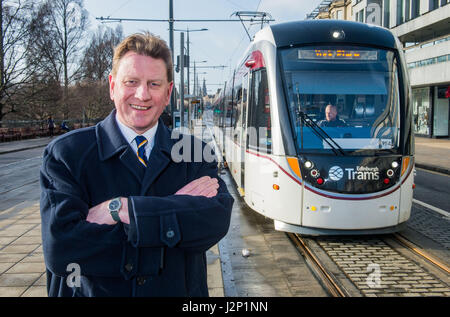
(141, 280)
(129, 267)
(170, 234)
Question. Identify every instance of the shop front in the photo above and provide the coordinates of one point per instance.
(431, 111)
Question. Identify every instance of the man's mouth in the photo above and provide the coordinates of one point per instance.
(137, 107)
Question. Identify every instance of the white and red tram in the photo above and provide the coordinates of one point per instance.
(310, 172)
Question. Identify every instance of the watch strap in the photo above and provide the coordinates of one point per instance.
(115, 215)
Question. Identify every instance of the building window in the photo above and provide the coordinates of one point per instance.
(360, 16)
(433, 4)
(400, 17)
(340, 15)
(415, 8)
(386, 15)
(429, 61)
(407, 10)
(421, 107)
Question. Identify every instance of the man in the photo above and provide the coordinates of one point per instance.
(331, 118)
(120, 215)
(51, 126)
(64, 126)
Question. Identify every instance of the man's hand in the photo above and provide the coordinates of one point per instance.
(100, 214)
(203, 186)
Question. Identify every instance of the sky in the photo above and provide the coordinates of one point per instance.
(224, 42)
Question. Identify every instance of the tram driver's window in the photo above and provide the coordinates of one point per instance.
(260, 118)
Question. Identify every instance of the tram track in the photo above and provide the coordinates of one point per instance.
(421, 253)
(390, 265)
(326, 277)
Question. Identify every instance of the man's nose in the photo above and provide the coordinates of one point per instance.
(142, 92)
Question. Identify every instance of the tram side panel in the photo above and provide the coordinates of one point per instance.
(270, 188)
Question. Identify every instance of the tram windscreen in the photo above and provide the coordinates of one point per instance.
(344, 97)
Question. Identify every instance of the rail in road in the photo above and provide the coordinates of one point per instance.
(376, 266)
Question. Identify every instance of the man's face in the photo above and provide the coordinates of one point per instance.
(330, 113)
(140, 91)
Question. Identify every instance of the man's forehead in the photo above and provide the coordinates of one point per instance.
(142, 64)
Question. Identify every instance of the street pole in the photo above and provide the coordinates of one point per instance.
(194, 80)
(188, 65)
(182, 80)
(173, 100)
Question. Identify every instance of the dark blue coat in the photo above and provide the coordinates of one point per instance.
(162, 251)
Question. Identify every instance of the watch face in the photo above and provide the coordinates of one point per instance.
(114, 205)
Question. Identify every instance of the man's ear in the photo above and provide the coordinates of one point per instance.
(169, 92)
(112, 83)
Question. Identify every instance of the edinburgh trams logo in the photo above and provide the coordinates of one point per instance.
(335, 173)
(362, 173)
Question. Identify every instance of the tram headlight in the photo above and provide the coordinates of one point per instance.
(394, 164)
(309, 164)
(338, 34)
(390, 173)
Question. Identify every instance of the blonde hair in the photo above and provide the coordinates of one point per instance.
(145, 44)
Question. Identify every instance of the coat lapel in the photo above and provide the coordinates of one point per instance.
(111, 142)
(131, 162)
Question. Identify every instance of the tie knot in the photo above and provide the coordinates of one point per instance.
(140, 141)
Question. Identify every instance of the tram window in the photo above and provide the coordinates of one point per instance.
(351, 95)
(259, 130)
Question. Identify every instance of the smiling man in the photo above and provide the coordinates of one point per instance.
(116, 206)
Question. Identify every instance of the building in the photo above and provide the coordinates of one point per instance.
(423, 27)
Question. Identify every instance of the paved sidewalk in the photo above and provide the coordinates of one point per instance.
(433, 154)
(22, 269)
(16, 146)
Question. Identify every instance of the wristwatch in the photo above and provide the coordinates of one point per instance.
(114, 207)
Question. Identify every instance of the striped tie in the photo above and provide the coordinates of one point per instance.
(141, 142)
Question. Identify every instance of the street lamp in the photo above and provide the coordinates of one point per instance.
(188, 54)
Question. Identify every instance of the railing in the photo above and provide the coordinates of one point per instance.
(20, 130)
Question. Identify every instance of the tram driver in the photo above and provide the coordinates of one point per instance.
(331, 118)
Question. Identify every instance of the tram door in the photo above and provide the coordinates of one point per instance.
(243, 132)
(245, 84)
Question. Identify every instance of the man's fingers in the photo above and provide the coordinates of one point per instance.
(205, 187)
(211, 187)
(190, 187)
(200, 187)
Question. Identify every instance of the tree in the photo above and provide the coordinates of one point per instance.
(97, 60)
(38, 99)
(92, 90)
(57, 32)
(14, 72)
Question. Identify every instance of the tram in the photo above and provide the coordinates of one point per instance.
(316, 128)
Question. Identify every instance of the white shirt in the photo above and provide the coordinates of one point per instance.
(130, 136)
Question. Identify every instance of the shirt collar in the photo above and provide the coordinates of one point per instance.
(130, 134)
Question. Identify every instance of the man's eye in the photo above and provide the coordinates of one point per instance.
(130, 82)
(155, 84)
